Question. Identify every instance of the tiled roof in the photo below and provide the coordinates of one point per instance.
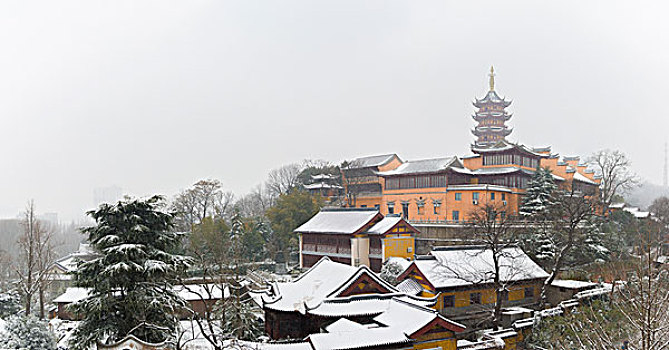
(371, 161)
(344, 221)
(466, 265)
(424, 166)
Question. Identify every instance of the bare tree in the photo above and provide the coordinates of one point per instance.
(496, 232)
(35, 256)
(203, 199)
(283, 179)
(616, 174)
(636, 317)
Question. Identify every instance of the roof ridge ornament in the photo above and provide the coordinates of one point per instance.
(492, 78)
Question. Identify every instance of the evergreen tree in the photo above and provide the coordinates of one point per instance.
(390, 271)
(10, 304)
(26, 333)
(131, 282)
(240, 320)
(539, 196)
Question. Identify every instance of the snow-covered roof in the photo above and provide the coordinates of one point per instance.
(410, 287)
(479, 187)
(372, 161)
(189, 292)
(321, 185)
(408, 318)
(342, 221)
(344, 325)
(486, 344)
(582, 178)
(637, 212)
(311, 288)
(365, 305)
(364, 338)
(398, 319)
(423, 166)
(466, 265)
(72, 295)
(573, 284)
(618, 205)
(500, 171)
(504, 145)
(319, 177)
(209, 291)
(384, 225)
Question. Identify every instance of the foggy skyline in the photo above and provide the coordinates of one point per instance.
(153, 96)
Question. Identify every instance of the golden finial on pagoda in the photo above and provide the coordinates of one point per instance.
(492, 78)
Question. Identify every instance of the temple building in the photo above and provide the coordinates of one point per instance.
(491, 117)
(356, 236)
(449, 189)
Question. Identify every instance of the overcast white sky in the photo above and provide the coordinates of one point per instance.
(153, 95)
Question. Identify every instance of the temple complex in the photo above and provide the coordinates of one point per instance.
(448, 189)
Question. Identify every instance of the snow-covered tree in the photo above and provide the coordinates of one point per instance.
(390, 271)
(539, 197)
(240, 319)
(26, 333)
(131, 282)
(10, 304)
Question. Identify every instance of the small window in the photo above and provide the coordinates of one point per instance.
(449, 300)
(458, 196)
(475, 196)
(363, 206)
(475, 299)
(391, 208)
(377, 206)
(456, 215)
(503, 196)
(529, 292)
(492, 196)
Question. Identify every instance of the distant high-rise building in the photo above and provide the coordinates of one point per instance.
(51, 218)
(491, 116)
(108, 194)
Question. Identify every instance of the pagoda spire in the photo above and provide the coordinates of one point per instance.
(491, 117)
(492, 78)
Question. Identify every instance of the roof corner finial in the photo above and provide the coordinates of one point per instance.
(492, 78)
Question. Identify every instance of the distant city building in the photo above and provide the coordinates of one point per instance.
(108, 194)
(51, 218)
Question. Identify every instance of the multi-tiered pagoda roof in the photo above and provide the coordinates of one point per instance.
(491, 117)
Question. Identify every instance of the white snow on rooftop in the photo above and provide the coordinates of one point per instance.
(338, 221)
(371, 161)
(572, 284)
(72, 295)
(582, 178)
(467, 265)
(423, 166)
(312, 287)
(384, 225)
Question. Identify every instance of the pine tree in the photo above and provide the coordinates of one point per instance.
(26, 333)
(539, 196)
(10, 304)
(131, 282)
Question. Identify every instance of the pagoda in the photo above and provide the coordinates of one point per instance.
(491, 116)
